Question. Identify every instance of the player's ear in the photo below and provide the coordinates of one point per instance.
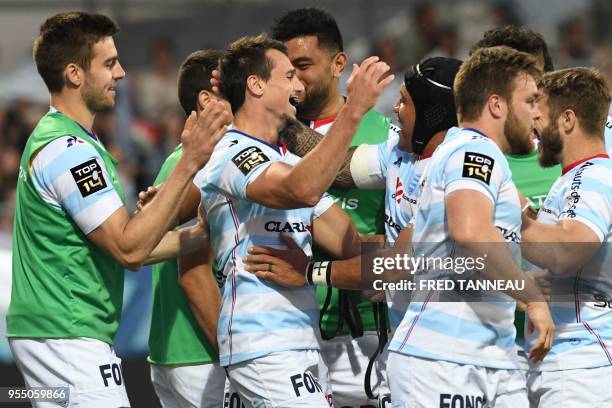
(255, 85)
(74, 75)
(496, 106)
(568, 121)
(338, 64)
(203, 98)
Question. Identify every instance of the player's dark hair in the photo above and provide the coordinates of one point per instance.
(584, 91)
(309, 21)
(489, 71)
(68, 38)
(245, 57)
(194, 76)
(519, 38)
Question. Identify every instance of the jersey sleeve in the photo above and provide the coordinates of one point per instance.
(369, 162)
(478, 165)
(588, 201)
(70, 175)
(385, 149)
(234, 165)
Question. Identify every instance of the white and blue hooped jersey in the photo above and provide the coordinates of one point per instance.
(401, 172)
(54, 174)
(581, 304)
(257, 317)
(440, 325)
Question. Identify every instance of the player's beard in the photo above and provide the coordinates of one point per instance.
(551, 146)
(314, 100)
(518, 135)
(95, 99)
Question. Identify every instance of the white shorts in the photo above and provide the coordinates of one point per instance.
(231, 398)
(286, 379)
(587, 387)
(421, 383)
(189, 386)
(88, 367)
(347, 360)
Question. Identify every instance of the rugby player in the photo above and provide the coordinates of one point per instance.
(574, 229)
(393, 164)
(252, 189)
(348, 328)
(503, 106)
(185, 370)
(72, 234)
(530, 178)
(468, 198)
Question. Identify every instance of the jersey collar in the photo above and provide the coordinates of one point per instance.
(477, 131)
(579, 162)
(280, 148)
(52, 109)
(314, 124)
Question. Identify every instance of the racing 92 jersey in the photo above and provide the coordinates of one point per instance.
(581, 302)
(438, 324)
(256, 317)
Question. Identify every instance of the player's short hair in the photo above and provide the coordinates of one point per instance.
(68, 38)
(584, 91)
(245, 57)
(194, 76)
(519, 38)
(309, 21)
(489, 71)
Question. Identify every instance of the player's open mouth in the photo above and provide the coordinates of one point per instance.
(294, 101)
(536, 134)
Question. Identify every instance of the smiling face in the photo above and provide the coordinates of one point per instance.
(315, 67)
(406, 115)
(99, 87)
(282, 86)
(523, 112)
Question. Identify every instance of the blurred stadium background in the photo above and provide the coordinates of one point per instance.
(157, 35)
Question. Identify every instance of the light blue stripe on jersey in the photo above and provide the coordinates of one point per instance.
(450, 325)
(268, 321)
(71, 157)
(253, 285)
(482, 333)
(75, 203)
(56, 183)
(273, 321)
(434, 215)
(44, 189)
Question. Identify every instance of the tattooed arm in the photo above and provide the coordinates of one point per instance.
(300, 139)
